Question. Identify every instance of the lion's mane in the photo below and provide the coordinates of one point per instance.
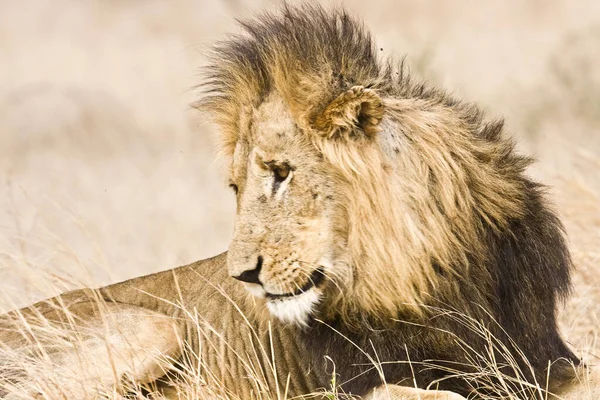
(440, 212)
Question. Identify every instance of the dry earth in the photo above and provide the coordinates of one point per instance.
(106, 174)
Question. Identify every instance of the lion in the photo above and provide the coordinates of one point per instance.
(386, 235)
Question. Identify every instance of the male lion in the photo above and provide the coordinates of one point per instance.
(388, 228)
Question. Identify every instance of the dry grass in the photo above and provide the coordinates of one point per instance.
(106, 174)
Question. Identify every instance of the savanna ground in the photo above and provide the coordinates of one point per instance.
(106, 173)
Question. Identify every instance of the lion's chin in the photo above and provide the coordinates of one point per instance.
(294, 309)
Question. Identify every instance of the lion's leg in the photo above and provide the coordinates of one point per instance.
(91, 347)
(395, 392)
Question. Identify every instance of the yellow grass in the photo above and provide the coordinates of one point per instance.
(106, 174)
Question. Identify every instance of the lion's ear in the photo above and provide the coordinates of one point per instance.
(358, 108)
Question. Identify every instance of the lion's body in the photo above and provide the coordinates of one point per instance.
(389, 228)
(212, 315)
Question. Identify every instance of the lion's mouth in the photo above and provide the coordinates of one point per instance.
(315, 280)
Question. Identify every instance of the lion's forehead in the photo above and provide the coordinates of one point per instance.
(273, 127)
(273, 133)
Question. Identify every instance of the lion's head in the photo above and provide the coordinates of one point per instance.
(358, 190)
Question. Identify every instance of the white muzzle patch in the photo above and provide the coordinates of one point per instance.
(294, 309)
(255, 290)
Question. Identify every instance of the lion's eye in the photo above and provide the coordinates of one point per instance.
(281, 172)
(234, 187)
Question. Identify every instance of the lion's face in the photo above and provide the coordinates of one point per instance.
(282, 246)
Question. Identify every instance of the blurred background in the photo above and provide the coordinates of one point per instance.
(106, 173)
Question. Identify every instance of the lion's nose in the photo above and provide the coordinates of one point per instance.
(251, 275)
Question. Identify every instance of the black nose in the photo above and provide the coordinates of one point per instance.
(251, 276)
